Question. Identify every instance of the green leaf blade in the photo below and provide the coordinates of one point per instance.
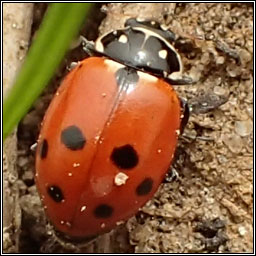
(61, 23)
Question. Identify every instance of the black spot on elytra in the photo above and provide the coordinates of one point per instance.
(125, 157)
(43, 149)
(55, 193)
(144, 187)
(73, 138)
(103, 211)
(126, 77)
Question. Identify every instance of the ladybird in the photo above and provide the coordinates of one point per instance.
(110, 133)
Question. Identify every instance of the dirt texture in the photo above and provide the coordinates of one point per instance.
(208, 205)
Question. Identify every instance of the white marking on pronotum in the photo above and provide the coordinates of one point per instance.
(149, 33)
(162, 54)
(123, 39)
(99, 46)
(139, 19)
(113, 64)
(147, 76)
(165, 74)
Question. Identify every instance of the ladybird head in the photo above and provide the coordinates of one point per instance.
(144, 45)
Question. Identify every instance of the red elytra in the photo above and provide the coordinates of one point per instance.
(105, 145)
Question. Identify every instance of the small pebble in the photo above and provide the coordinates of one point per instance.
(233, 70)
(234, 143)
(244, 128)
(28, 175)
(205, 58)
(220, 60)
(245, 56)
(23, 161)
(219, 91)
(222, 159)
(242, 231)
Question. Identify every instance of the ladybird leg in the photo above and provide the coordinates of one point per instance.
(88, 46)
(184, 114)
(206, 103)
(200, 105)
(189, 137)
(232, 53)
(186, 110)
